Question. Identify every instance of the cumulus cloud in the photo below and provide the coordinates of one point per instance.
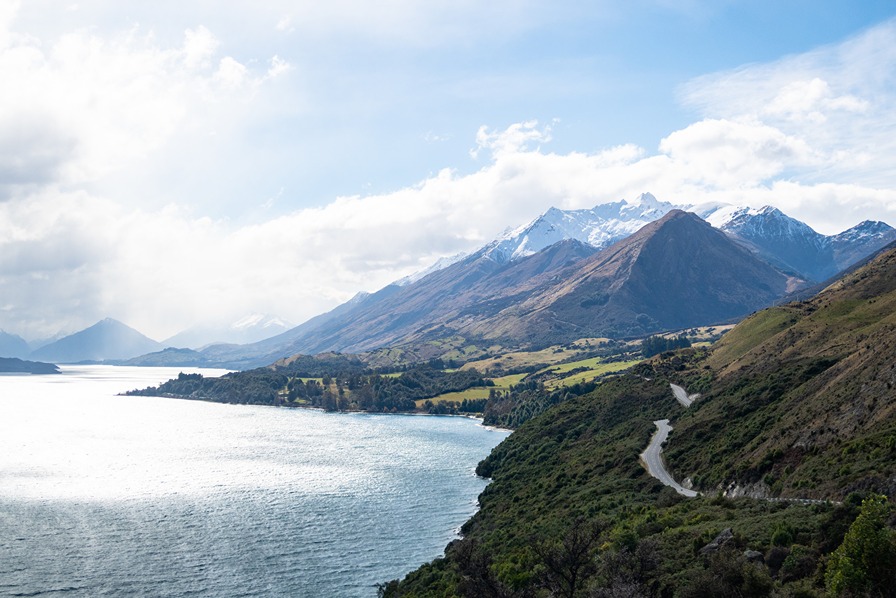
(837, 99)
(84, 106)
(812, 134)
(811, 100)
(33, 150)
(515, 138)
(199, 47)
(721, 154)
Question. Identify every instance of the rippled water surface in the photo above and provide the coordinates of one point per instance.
(102, 495)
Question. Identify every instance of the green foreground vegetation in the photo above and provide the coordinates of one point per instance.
(798, 403)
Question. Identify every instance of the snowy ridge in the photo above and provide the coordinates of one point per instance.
(865, 230)
(440, 264)
(599, 227)
(784, 241)
(248, 329)
(793, 245)
(764, 221)
(261, 322)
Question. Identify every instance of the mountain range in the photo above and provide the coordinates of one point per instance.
(578, 273)
(621, 269)
(792, 245)
(13, 345)
(598, 227)
(112, 341)
(106, 340)
(249, 329)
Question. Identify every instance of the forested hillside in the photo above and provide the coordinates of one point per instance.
(334, 383)
(796, 402)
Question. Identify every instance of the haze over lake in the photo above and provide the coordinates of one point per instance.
(109, 495)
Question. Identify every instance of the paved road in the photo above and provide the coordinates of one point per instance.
(652, 458)
(682, 395)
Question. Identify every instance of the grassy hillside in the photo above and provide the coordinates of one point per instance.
(797, 401)
(810, 387)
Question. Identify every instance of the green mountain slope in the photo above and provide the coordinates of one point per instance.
(801, 401)
(797, 401)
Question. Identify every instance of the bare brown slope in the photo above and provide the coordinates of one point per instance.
(440, 303)
(673, 273)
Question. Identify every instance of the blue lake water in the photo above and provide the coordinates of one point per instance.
(102, 495)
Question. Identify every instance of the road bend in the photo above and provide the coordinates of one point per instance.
(652, 458)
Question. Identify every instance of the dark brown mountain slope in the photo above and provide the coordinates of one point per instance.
(431, 307)
(673, 273)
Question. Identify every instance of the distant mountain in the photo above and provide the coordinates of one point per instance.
(12, 345)
(860, 241)
(438, 265)
(171, 357)
(485, 295)
(266, 351)
(674, 273)
(249, 329)
(779, 239)
(443, 303)
(106, 340)
(793, 245)
(35, 344)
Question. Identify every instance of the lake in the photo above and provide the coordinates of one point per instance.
(104, 495)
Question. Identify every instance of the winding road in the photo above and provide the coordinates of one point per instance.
(652, 458)
(682, 396)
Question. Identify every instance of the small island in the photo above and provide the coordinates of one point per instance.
(14, 365)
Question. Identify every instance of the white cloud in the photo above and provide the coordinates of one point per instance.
(231, 74)
(515, 138)
(104, 104)
(199, 47)
(284, 23)
(278, 67)
(812, 134)
(810, 101)
(721, 154)
(8, 11)
(838, 99)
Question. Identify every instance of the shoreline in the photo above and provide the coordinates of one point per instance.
(477, 418)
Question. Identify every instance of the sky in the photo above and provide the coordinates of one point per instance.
(175, 163)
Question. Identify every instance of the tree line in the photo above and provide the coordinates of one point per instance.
(349, 389)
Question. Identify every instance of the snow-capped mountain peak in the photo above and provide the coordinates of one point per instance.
(599, 227)
(260, 321)
(248, 329)
(440, 264)
(784, 241)
(867, 229)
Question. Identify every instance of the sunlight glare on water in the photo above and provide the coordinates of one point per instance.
(114, 495)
